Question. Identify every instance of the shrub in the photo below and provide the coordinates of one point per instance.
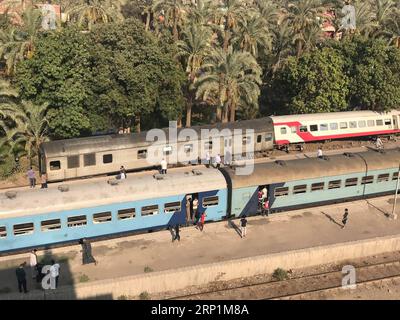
(280, 274)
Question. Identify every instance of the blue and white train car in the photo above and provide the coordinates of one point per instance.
(310, 182)
(38, 218)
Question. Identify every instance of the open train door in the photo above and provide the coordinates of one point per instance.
(395, 122)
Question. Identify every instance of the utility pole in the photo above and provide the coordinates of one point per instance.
(394, 215)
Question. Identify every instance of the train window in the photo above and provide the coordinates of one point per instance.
(107, 158)
(350, 182)
(167, 150)
(280, 192)
(334, 184)
(395, 175)
(3, 232)
(172, 207)
(55, 165)
(314, 127)
(367, 180)
(303, 129)
(388, 122)
(188, 148)
(268, 137)
(353, 124)
(73, 162)
(323, 127)
(283, 130)
(23, 229)
(293, 129)
(318, 186)
(383, 177)
(333, 126)
(246, 140)
(379, 122)
(102, 217)
(210, 201)
(49, 225)
(76, 221)
(142, 154)
(89, 159)
(259, 137)
(126, 214)
(208, 145)
(370, 123)
(362, 124)
(149, 210)
(343, 125)
(300, 189)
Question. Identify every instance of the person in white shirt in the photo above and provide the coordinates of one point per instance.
(218, 160)
(264, 193)
(55, 271)
(164, 166)
(319, 153)
(33, 262)
(208, 159)
(379, 143)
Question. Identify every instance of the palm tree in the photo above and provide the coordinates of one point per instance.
(90, 12)
(301, 16)
(30, 125)
(232, 78)
(172, 11)
(282, 47)
(229, 13)
(201, 12)
(8, 94)
(194, 47)
(17, 42)
(253, 35)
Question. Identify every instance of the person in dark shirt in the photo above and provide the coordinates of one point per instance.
(344, 220)
(243, 226)
(177, 235)
(21, 277)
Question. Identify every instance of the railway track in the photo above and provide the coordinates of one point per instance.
(302, 286)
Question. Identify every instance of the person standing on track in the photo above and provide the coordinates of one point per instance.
(164, 166)
(33, 263)
(31, 177)
(243, 226)
(319, 153)
(21, 277)
(202, 219)
(344, 220)
(177, 235)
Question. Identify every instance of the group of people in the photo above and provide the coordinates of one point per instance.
(32, 179)
(217, 160)
(35, 271)
(193, 213)
(263, 202)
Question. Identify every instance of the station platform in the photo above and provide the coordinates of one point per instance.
(136, 259)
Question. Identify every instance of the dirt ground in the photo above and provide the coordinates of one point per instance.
(374, 291)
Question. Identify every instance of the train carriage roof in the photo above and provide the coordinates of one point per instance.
(301, 169)
(96, 192)
(124, 141)
(347, 115)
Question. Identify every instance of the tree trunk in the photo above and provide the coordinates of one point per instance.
(299, 48)
(175, 29)
(179, 122)
(226, 40)
(232, 112)
(219, 114)
(137, 123)
(147, 21)
(225, 114)
(189, 105)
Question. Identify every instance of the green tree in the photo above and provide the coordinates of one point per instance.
(230, 80)
(90, 12)
(59, 73)
(17, 42)
(315, 82)
(136, 74)
(29, 125)
(193, 48)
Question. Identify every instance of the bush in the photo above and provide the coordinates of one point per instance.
(144, 296)
(148, 269)
(83, 278)
(122, 297)
(280, 274)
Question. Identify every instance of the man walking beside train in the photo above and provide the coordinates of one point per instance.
(164, 166)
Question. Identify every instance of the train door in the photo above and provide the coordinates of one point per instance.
(395, 122)
(191, 206)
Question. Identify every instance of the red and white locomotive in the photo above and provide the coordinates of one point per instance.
(304, 128)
